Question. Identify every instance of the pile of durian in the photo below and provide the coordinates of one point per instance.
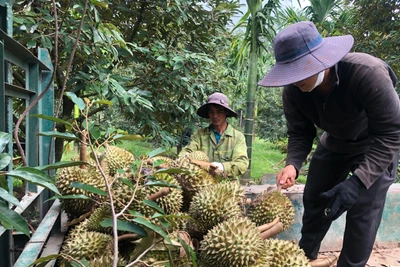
(206, 218)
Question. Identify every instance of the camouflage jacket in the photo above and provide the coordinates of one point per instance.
(231, 150)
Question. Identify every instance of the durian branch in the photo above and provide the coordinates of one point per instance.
(163, 192)
(271, 229)
(108, 186)
(128, 237)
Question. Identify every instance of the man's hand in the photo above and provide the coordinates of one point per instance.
(341, 197)
(286, 177)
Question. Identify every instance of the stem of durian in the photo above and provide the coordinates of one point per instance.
(163, 192)
(161, 166)
(322, 263)
(128, 237)
(276, 229)
(83, 148)
(267, 226)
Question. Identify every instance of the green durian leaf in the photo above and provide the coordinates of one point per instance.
(41, 262)
(66, 136)
(128, 137)
(77, 196)
(8, 197)
(10, 217)
(35, 176)
(152, 227)
(60, 164)
(156, 152)
(5, 160)
(153, 205)
(41, 116)
(5, 138)
(89, 188)
(125, 226)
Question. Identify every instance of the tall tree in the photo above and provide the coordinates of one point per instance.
(259, 22)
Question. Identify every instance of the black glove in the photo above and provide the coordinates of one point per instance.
(341, 197)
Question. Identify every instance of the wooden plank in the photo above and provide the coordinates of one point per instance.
(34, 246)
(54, 244)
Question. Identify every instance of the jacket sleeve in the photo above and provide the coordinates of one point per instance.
(301, 132)
(381, 103)
(240, 160)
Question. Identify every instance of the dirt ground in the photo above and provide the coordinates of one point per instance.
(381, 256)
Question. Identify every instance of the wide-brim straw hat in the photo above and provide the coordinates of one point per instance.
(216, 99)
(301, 52)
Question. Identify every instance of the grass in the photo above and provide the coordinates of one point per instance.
(265, 159)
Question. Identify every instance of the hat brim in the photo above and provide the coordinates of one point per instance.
(203, 111)
(328, 54)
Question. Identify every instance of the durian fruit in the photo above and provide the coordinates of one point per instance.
(270, 205)
(76, 207)
(99, 214)
(197, 155)
(172, 202)
(123, 194)
(117, 158)
(106, 261)
(196, 177)
(216, 203)
(87, 245)
(233, 243)
(285, 253)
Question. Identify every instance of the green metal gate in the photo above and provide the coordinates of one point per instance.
(37, 70)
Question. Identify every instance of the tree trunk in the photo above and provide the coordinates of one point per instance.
(251, 92)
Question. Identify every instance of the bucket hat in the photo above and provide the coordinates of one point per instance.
(301, 52)
(216, 99)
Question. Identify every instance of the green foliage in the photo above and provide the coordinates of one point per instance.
(375, 26)
(155, 61)
(270, 120)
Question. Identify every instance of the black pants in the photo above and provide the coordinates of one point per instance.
(362, 221)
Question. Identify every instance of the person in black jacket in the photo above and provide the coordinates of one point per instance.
(352, 97)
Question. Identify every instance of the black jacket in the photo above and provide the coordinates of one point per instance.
(360, 114)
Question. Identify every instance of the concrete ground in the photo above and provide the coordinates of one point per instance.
(381, 256)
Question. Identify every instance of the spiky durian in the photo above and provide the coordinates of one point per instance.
(270, 205)
(117, 158)
(88, 245)
(233, 243)
(131, 196)
(197, 155)
(172, 202)
(285, 253)
(106, 261)
(100, 213)
(195, 177)
(216, 203)
(76, 207)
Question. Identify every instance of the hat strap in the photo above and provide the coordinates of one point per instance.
(293, 54)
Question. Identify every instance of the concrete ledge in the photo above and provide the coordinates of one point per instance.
(388, 233)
